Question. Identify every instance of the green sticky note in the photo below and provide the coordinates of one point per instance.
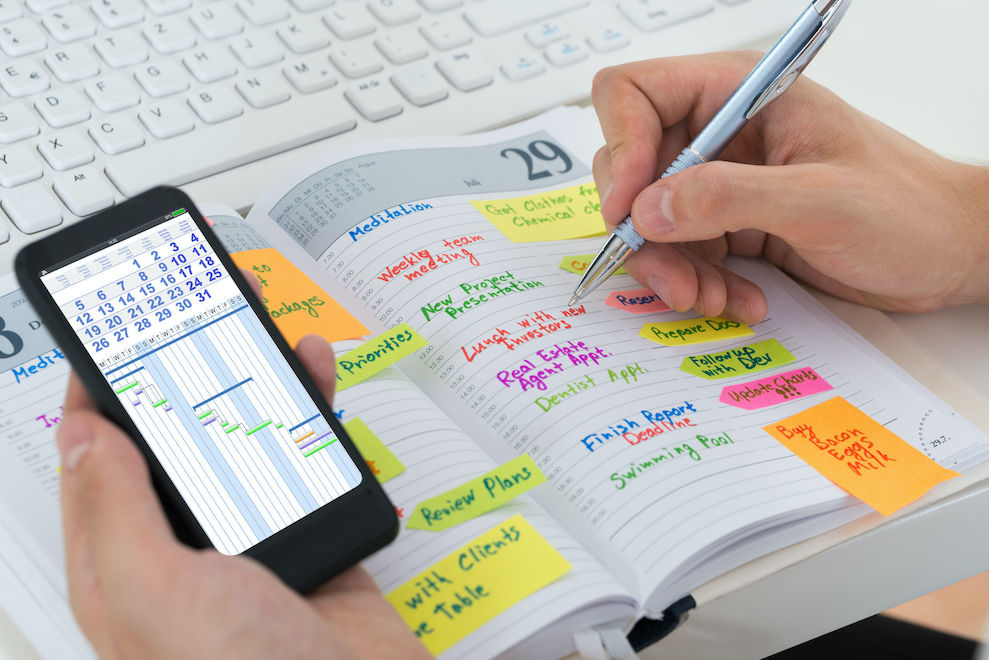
(379, 458)
(371, 357)
(579, 263)
(488, 491)
(738, 361)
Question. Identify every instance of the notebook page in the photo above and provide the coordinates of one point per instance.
(646, 465)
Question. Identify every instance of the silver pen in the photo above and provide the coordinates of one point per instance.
(772, 76)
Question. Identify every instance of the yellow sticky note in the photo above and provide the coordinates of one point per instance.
(579, 263)
(384, 464)
(472, 585)
(573, 212)
(694, 331)
(488, 491)
(298, 305)
(371, 357)
(859, 454)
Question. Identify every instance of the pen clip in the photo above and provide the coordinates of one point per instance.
(833, 12)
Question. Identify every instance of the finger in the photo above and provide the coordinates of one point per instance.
(317, 357)
(253, 282)
(710, 200)
(76, 396)
(744, 300)
(667, 272)
(115, 527)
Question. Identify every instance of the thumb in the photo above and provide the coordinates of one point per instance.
(709, 200)
(114, 524)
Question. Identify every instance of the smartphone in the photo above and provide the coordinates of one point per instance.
(172, 345)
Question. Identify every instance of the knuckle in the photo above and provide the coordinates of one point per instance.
(707, 191)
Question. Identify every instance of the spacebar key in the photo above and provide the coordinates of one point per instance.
(494, 17)
(218, 147)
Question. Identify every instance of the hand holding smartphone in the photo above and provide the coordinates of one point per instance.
(170, 342)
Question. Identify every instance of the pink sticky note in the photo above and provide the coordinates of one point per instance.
(637, 301)
(772, 390)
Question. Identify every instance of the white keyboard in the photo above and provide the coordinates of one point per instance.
(101, 99)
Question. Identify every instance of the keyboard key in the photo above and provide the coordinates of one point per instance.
(656, 14)
(17, 122)
(349, 22)
(66, 149)
(161, 78)
(257, 49)
(401, 46)
(63, 107)
(113, 92)
(18, 165)
(73, 62)
(116, 134)
(566, 52)
(23, 78)
(69, 23)
(21, 37)
(117, 13)
(161, 163)
(215, 104)
(263, 12)
(374, 99)
(32, 208)
(169, 35)
(304, 36)
(440, 5)
(446, 33)
(393, 12)
(263, 88)
(311, 5)
(217, 20)
(356, 60)
(210, 64)
(608, 39)
(420, 83)
(120, 49)
(9, 10)
(546, 33)
(522, 67)
(165, 119)
(310, 75)
(464, 70)
(84, 191)
(490, 18)
(162, 7)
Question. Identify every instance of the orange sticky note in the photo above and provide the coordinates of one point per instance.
(859, 454)
(298, 305)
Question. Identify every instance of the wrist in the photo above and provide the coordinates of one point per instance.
(972, 190)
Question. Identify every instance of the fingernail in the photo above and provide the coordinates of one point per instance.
(661, 288)
(74, 438)
(604, 197)
(654, 209)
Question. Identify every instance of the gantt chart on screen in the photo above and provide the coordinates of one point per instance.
(213, 397)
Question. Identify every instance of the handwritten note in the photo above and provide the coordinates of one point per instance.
(693, 331)
(859, 454)
(476, 583)
(772, 390)
(477, 496)
(573, 212)
(753, 358)
(384, 464)
(579, 263)
(297, 305)
(637, 301)
(371, 357)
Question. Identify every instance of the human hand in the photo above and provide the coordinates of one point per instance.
(138, 593)
(819, 189)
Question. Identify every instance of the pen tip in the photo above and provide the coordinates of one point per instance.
(573, 300)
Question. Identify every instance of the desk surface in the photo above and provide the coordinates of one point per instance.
(919, 67)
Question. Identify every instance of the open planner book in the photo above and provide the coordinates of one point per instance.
(647, 424)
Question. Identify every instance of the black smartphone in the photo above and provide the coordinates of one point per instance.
(171, 343)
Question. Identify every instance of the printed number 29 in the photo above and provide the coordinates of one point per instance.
(543, 150)
(11, 337)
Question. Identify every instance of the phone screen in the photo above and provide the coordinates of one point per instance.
(213, 397)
